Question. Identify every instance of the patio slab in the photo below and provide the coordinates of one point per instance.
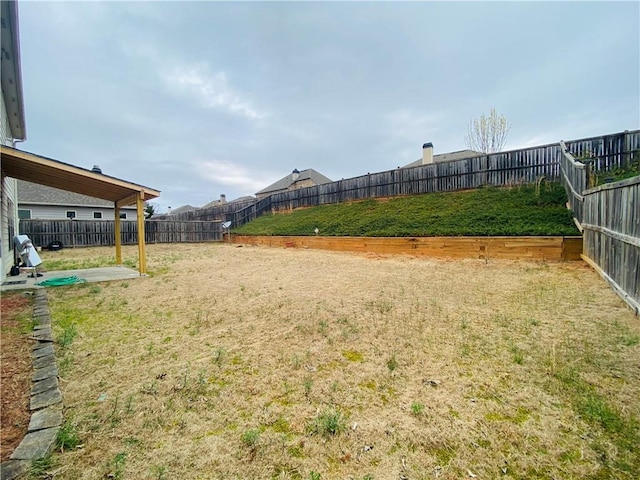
(91, 275)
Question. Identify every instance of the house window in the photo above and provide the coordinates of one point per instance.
(71, 214)
(97, 215)
(24, 214)
(123, 216)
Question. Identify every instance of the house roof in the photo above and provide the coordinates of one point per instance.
(183, 209)
(11, 75)
(53, 173)
(447, 157)
(286, 182)
(32, 194)
(215, 203)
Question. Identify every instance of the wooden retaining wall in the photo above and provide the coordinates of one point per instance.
(515, 248)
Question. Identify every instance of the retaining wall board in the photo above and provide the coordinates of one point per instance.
(527, 248)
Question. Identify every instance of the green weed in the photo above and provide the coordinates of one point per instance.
(40, 469)
(329, 423)
(518, 355)
(218, 356)
(68, 437)
(629, 340)
(118, 463)
(323, 327)
(69, 333)
(417, 408)
(308, 384)
(159, 472)
(392, 363)
(250, 438)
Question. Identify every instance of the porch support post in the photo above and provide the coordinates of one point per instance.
(117, 233)
(141, 251)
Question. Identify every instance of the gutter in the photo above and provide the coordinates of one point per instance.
(12, 84)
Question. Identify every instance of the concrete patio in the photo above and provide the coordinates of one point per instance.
(90, 275)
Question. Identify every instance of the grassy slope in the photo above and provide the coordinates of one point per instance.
(486, 211)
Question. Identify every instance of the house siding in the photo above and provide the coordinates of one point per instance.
(8, 194)
(59, 212)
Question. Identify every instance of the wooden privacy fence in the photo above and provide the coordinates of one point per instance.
(609, 218)
(216, 213)
(499, 169)
(574, 177)
(611, 232)
(608, 152)
(90, 233)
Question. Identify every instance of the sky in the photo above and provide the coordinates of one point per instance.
(198, 99)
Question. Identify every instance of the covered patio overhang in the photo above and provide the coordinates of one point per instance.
(53, 173)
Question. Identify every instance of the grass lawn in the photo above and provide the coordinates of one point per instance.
(229, 362)
(521, 210)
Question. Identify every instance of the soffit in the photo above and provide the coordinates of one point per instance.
(45, 171)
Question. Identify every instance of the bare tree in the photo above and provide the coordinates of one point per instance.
(488, 134)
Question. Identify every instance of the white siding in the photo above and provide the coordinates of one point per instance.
(54, 212)
(9, 208)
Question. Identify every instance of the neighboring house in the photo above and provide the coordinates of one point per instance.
(12, 127)
(428, 156)
(293, 181)
(223, 201)
(183, 209)
(47, 203)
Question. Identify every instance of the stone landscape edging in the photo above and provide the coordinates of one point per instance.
(45, 399)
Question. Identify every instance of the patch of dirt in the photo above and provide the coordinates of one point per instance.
(15, 362)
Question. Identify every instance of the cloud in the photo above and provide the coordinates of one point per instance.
(231, 174)
(407, 125)
(210, 90)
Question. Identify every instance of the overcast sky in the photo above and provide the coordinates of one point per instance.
(202, 98)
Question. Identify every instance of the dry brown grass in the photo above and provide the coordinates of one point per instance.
(218, 363)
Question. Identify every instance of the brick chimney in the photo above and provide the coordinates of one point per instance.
(223, 198)
(295, 174)
(427, 153)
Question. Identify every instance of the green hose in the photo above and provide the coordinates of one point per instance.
(61, 281)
